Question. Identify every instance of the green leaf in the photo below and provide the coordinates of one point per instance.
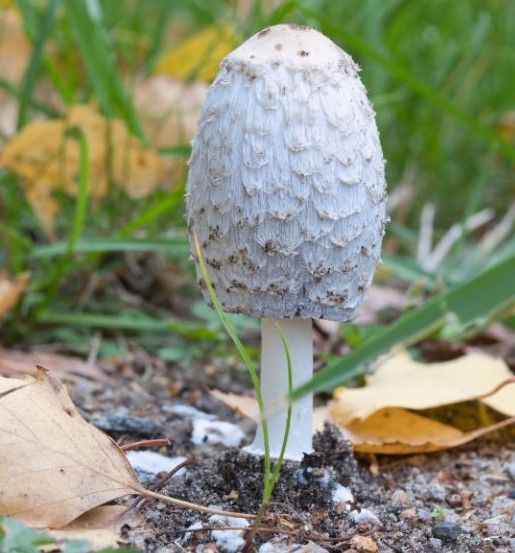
(77, 546)
(468, 303)
(17, 538)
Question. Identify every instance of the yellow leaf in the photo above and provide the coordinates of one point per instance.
(199, 55)
(11, 290)
(55, 466)
(47, 160)
(403, 382)
(100, 527)
(393, 431)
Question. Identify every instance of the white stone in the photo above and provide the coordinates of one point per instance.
(342, 494)
(364, 516)
(154, 463)
(216, 432)
(228, 541)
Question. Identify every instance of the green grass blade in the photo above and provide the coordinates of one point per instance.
(132, 322)
(35, 64)
(279, 463)
(176, 247)
(477, 299)
(96, 52)
(231, 331)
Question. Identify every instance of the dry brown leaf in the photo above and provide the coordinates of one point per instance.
(400, 381)
(393, 431)
(47, 160)
(11, 290)
(100, 527)
(55, 466)
(18, 363)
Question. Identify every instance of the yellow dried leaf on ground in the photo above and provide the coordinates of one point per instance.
(376, 417)
(100, 527)
(48, 160)
(400, 381)
(11, 290)
(199, 55)
(393, 431)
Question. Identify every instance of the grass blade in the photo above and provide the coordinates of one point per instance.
(31, 74)
(231, 331)
(176, 247)
(97, 56)
(477, 299)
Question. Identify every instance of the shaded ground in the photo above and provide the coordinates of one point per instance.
(457, 501)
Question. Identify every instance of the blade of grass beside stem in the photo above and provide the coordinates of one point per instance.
(34, 67)
(279, 463)
(477, 299)
(231, 331)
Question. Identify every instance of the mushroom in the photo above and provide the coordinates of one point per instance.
(286, 195)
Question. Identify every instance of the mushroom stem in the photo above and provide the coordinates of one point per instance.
(274, 385)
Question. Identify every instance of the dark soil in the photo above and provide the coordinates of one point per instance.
(457, 501)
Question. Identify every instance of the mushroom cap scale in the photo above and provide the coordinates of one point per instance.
(286, 188)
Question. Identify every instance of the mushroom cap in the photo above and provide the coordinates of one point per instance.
(286, 189)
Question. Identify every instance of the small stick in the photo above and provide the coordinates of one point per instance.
(145, 443)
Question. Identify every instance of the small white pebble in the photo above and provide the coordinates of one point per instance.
(150, 461)
(188, 411)
(187, 535)
(216, 432)
(229, 541)
(342, 494)
(364, 516)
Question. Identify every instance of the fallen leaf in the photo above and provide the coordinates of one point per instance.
(11, 290)
(100, 527)
(377, 420)
(47, 160)
(393, 431)
(199, 54)
(400, 381)
(17, 363)
(248, 407)
(244, 405)
(55, 466)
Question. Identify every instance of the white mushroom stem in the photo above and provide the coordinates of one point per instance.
(274, 385)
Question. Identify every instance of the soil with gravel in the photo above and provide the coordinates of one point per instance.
(462, 500)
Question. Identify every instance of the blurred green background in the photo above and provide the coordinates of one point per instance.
(440, 74)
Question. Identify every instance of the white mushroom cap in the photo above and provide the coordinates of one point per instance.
(286, 189)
